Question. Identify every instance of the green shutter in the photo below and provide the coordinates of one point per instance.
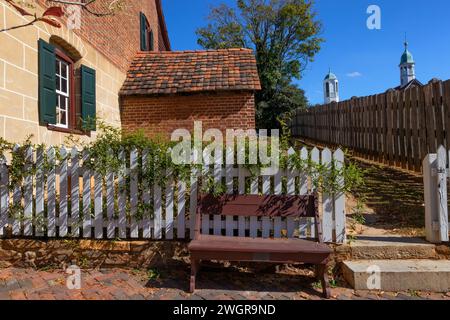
(47, 83)
(152, 41)
(144, 42)
(88, 99)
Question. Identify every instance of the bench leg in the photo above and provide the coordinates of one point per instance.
(322, 275)
(318, 275)
(194, 270)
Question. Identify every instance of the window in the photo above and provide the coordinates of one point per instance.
(147, 38)
(337, 88)
(328, 89)
(57, 87)
(64, 94)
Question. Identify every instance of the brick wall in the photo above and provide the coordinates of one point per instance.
(164, 114)
(117, 37)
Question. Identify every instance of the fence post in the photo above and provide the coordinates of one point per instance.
(435, 187)
(147, 165)
(51, 194)
(327, 202)
(87, 187)
(40, 225)
(110, 195)
(339, 201)
(17, 215)
(193, 201)
(122, 201)
(442, 184)
(28, 194)
(63, 193)
(4, 195)
(134, 193)
(75, 192)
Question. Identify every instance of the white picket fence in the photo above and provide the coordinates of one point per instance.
(436, 173)
(70, 201)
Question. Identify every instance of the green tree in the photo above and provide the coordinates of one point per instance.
(284, 35)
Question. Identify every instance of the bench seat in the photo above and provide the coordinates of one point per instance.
(257, 249)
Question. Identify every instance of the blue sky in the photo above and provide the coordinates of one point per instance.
(365, 61)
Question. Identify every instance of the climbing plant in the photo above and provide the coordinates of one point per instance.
(110, 153)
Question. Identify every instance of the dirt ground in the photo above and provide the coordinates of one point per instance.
(390, 203)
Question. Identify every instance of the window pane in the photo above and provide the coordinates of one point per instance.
(64, 86)
(64, 70)
(63, 103)
(57, 116)
(58, 83)
(57, 67)
(63, 118)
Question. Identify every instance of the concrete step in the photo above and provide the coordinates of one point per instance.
(398, 275)
(391, 248)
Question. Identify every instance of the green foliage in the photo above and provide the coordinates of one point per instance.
(284, 37)
(224, 31)
(153, 274)
(334, 178)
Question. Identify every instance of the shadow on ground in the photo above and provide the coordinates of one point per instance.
(240, 278)
(396, 199)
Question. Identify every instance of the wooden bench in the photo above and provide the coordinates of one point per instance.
(239, 249)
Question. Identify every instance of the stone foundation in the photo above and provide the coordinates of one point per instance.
(90, 254)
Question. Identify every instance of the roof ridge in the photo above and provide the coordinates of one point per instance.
(194, 51)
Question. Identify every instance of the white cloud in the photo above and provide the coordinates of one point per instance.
(355, 74)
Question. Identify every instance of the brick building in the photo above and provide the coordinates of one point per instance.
(165, 91)
(89, 63)
(55, 81)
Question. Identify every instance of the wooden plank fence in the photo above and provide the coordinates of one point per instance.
(436, 174)
(65, 199)
(397, 128)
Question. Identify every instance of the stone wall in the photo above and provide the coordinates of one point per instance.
(90, 254)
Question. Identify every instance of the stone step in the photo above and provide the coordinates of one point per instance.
(391, 248)
(398, 275)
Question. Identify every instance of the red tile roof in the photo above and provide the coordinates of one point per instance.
(191, 71)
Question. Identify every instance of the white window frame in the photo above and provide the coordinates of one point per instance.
(61, 94)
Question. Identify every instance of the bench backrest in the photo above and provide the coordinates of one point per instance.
(260, 206)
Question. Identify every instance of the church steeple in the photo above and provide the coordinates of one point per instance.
(407, 67)
(330, 88)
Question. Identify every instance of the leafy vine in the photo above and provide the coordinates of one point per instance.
(110, 153)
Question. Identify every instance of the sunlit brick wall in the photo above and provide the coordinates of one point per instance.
(164, 114)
